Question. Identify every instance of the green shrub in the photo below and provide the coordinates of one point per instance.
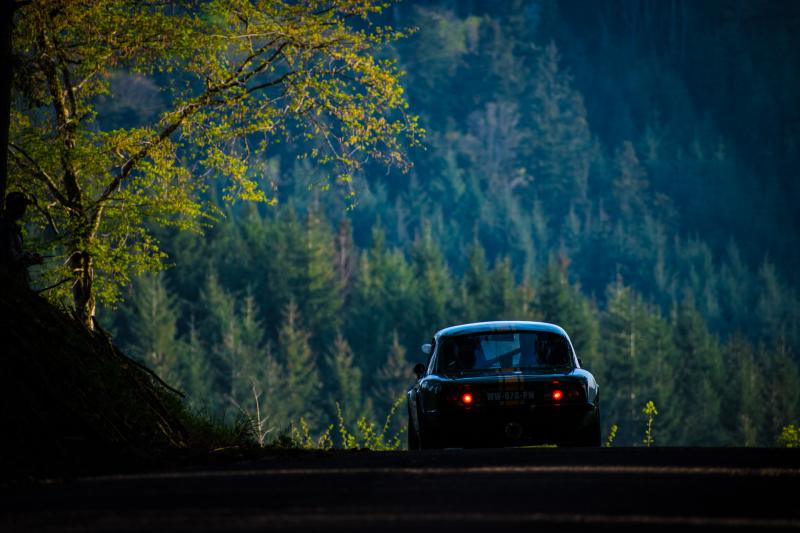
(789, 437)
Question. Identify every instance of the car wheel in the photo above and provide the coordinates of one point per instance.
(413, 436)
(426, 442)
(427, 439)
(590, 437)
(429, 442)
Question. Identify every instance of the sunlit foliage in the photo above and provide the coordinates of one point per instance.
(238, 77)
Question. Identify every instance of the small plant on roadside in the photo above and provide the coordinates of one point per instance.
(789, 437)
(395, 440)
(256, 420)
(349, 441)
(325, 441)
(284, 440)
(211, 432)
(368, 437)
(651, 412)
(300, 435)
(612, 434)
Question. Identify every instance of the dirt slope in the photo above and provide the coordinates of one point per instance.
(69, 401)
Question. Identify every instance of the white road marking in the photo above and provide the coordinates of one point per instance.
(255, 520)
(524, 518)
(428, 471)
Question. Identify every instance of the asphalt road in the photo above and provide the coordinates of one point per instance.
(632, 489)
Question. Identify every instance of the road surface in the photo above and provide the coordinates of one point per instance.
(612, 489)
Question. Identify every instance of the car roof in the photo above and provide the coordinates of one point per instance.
(500, 326)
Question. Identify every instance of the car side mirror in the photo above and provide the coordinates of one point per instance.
(419, 370)
(426, 348)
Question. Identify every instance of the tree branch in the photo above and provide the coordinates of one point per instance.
(50, 70)
(42, 175)
(236, 79)
(277, 81)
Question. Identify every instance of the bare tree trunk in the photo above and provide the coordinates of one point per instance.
(81, 264)
(82, 267)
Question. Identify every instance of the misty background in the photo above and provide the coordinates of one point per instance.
(626, 169)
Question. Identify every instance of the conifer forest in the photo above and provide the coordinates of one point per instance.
(625, 169)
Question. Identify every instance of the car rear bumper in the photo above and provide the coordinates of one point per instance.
(519, 426)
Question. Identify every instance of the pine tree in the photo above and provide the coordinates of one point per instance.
(197, 378)
(234, 336)
(623, 355)
(345, 257)
(782, 396)
(770, 306)
(282, 274)
(636, 362)
(561, 303)
(228, 351)
(506, 301)
(657, 371)
(434, 284)
(346, 382)
(318, 294)
(560, 139)
(152, 316)
(493, 144)
(275, 387)
(629, 183)
(553, 294)
(247, 367)
(384, 299)
(220, 309)
(393, 379)
(301, 375)
(475, 286)
(743, 396)
(698, 372)
(735, 298)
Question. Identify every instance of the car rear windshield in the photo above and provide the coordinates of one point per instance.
(503, 351)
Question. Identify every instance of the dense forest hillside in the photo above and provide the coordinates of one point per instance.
(627, 169)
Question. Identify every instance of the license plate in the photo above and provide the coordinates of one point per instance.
(509, 396)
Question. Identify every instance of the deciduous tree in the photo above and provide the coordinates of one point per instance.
(240, 75)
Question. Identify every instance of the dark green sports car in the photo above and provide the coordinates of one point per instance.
(502, 384)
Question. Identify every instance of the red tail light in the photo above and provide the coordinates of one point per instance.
(466, 398)
(557, 395)
(575, 394)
